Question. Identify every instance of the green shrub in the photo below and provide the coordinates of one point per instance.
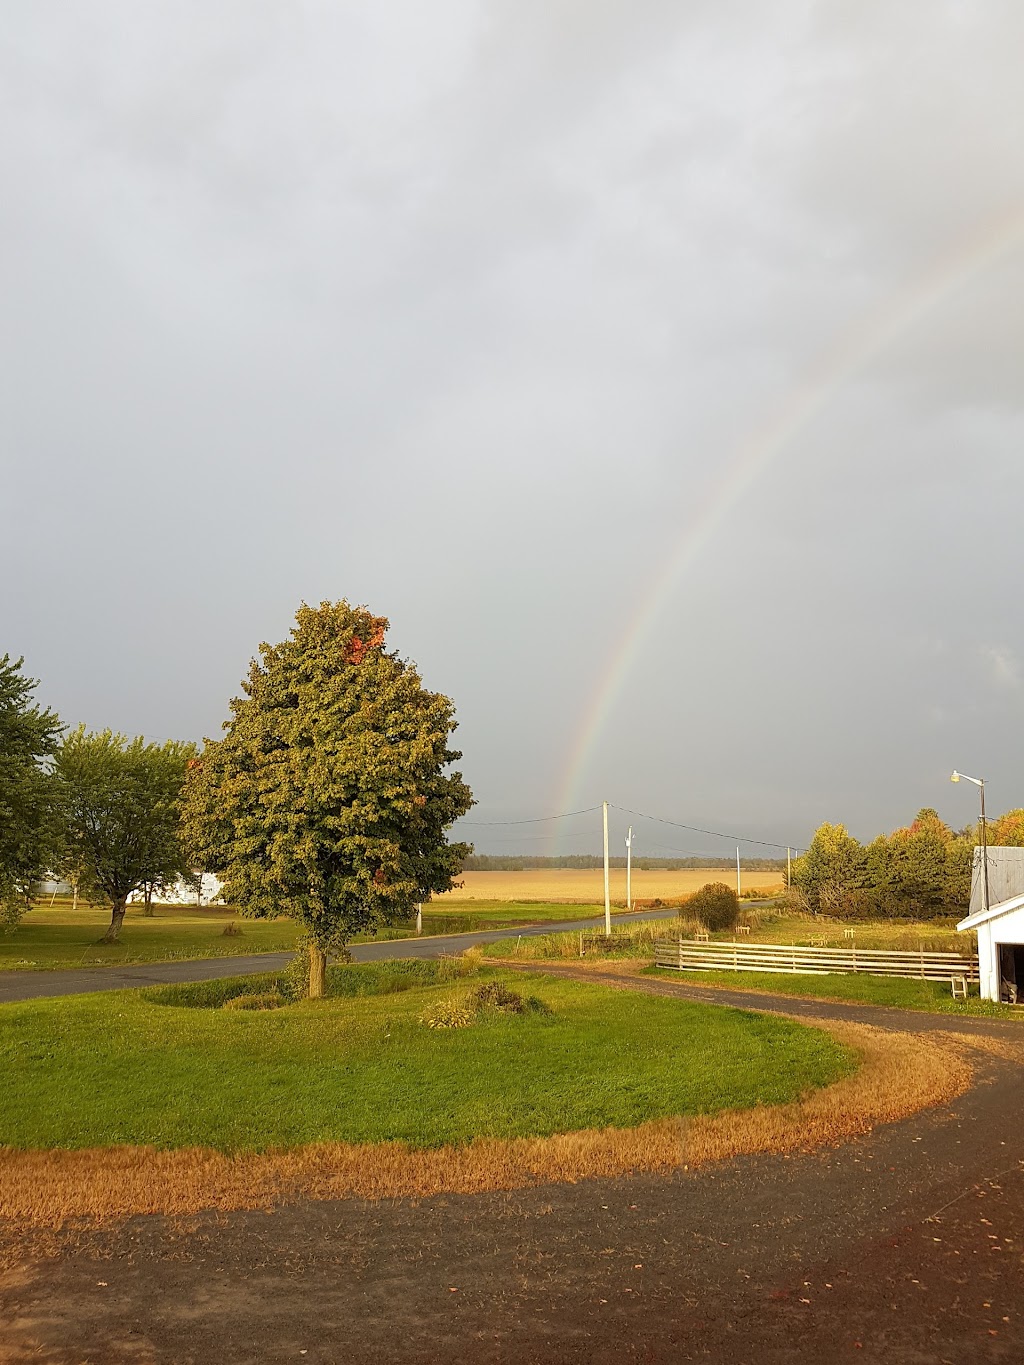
(295, 977)
(381, 978)
(495, 995)
(266, 1000)
(716, 906)
(212, 995)
(352, 979)
(447, 1014)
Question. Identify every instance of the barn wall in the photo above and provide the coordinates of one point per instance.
(1008, 928)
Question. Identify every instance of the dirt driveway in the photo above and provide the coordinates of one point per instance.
(902, 1247)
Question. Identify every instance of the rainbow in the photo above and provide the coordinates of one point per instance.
(852, 350)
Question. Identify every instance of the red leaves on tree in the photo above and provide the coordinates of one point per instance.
(357, 648)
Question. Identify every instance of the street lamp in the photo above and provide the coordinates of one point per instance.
(980, 783)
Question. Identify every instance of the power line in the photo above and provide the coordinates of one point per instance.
(695, 829)
(536, 820)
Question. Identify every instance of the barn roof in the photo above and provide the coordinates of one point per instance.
(993, 912)
(1005, 877)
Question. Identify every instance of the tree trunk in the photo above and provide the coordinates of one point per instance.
(74, 894)
(116, 920)
(148, 903)
(317, 968)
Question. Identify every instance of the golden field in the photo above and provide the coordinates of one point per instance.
(585, 886)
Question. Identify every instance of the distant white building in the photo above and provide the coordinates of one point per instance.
(1000, 931)
(185, 893)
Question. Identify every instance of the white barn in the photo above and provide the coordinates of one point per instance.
(1000, 931)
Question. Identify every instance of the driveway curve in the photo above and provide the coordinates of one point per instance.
(904, 1246)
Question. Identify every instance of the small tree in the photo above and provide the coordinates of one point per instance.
(122, 804)
(29, 819)
(716, 905)
(328, 798)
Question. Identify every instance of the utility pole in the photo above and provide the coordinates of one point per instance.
(629, 869)
(607, 888)
(739, 888)
(789, 868)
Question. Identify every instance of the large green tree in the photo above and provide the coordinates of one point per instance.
(29, 820)
(831, 871)
(917, 872)
(121, 801)
(329, 796)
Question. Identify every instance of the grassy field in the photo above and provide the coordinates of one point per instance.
(64, 938)
(123, 1067)
(766, 926)
(587, 884)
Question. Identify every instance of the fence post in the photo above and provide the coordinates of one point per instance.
(680, 952)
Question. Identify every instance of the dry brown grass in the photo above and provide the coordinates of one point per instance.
(585, 886)
(899, 1075)
(1007, 1049)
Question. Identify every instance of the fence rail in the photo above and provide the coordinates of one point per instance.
(688, 955)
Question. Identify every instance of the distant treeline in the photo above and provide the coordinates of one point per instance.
(501, 862)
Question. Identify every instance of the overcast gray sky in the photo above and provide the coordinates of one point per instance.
(513, 322)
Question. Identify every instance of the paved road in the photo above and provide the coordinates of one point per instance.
(903, 1247)
(31, 985)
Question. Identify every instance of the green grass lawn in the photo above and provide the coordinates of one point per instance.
(61, 938)
(933, 996)
(124, 1067)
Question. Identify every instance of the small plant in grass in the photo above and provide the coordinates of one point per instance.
(447, 1014)
(266, 1000)
(533, 1004)
(231, 929)
(716, 906)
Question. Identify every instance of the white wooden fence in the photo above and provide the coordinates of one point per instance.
(687, 955)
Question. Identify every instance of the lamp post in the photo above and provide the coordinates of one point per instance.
(979, 782)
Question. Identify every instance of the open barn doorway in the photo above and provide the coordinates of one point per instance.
(1011, 973)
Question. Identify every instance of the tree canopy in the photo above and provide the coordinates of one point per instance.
(1007, 830)
(918, 872)
(121, 802)
(29, 820)
(329, 796)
